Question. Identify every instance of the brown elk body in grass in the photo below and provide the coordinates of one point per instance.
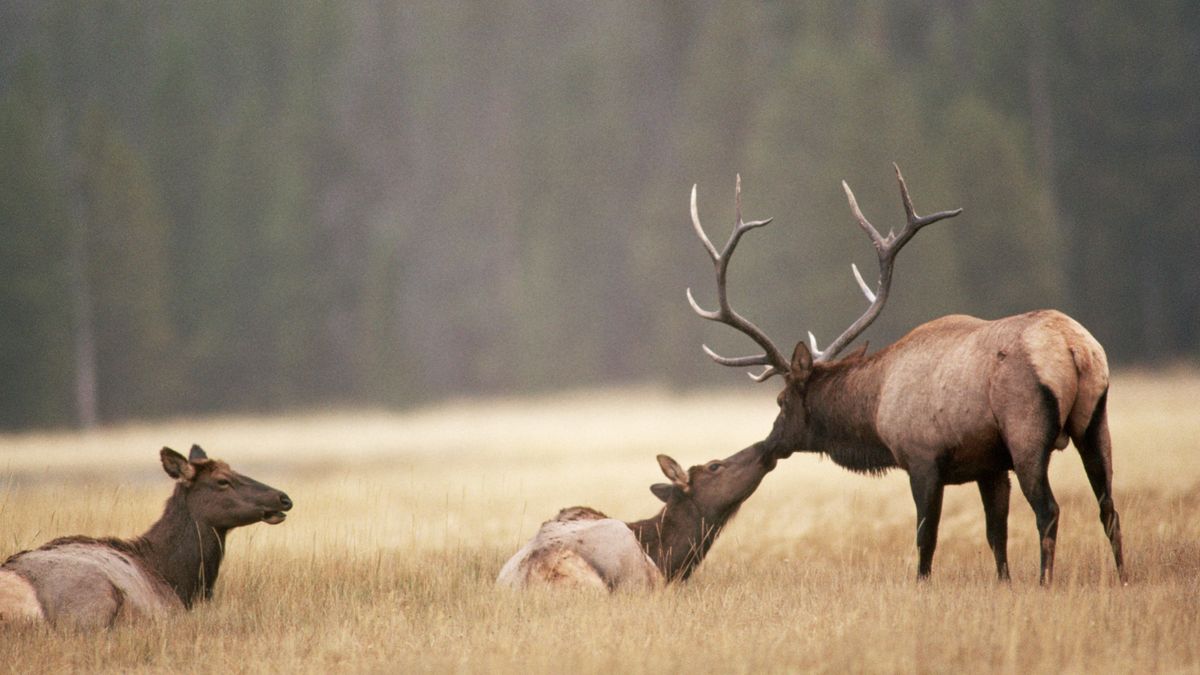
(583, 548)
(91, 582)
(956, 400)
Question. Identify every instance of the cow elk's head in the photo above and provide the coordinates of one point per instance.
(713, 491)
(220, 497)
(790, 425)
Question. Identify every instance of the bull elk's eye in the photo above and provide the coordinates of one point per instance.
(224, 483)
(714, 467)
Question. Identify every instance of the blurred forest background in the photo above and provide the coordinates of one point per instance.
(254, 206)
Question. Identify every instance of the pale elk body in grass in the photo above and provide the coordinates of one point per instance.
(957, 400)
(583, 548)
(94, 582)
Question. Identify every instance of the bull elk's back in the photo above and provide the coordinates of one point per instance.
(959, 377)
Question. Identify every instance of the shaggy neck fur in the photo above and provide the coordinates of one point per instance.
(678, 538)
(841, 401)
(185, 553)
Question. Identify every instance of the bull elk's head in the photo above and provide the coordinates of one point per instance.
(790, 425)
(220, 497)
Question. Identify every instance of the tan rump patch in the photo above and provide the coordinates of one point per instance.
(1072, 363)
(564, 567)
(18, 601)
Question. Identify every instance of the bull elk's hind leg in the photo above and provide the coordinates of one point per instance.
(1034, 482)
(995, 490)
(1030, 428)
(1095, 449)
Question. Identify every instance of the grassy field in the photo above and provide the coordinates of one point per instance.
(402, 521)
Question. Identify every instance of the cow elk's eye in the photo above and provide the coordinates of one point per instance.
(224, 483)
(714, 467)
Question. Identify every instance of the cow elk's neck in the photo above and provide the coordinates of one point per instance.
(678, 538)
(185, 553)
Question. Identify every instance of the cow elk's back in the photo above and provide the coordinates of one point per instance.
(595, 552)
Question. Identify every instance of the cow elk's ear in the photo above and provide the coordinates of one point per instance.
(176, 465)
(802, 362)
(664, 491)
(197, 454)
(672, 470)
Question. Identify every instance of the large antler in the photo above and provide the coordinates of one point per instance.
(886, 248)
(771, 357)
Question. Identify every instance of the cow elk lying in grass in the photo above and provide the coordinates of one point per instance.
(583, 548)
(957, 400)
(91, 582)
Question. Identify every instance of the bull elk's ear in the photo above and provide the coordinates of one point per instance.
(197, 454)
(664, 491)
(176, 466)
(672, 470)
(802, 362)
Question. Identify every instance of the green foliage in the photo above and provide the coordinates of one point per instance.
(35, 323)
(280, 204)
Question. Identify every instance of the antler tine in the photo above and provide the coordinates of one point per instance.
(712, 250)
(914, 222)
(764, 375)
(862, 220)
(736, 362)
(886, 249)
(862, 285)
(772, 357)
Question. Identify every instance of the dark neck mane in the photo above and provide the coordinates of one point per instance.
(678, 538)
(184, 553)
(841, 402)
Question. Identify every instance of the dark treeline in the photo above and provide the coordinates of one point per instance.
(273, 204)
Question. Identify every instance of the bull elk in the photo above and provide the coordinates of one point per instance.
(90, 582)
(583, 548)
(956, 400)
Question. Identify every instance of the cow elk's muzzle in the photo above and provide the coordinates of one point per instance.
(276, 516)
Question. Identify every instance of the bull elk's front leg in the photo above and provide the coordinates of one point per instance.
(927, 489)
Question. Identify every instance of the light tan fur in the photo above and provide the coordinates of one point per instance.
(600, 553)
(18, 600)
(94, 585)
(957, 376)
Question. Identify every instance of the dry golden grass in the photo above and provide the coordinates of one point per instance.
(402, 521)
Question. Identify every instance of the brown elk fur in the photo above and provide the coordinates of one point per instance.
(90, 581)
(956, 400)
(962, 400)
